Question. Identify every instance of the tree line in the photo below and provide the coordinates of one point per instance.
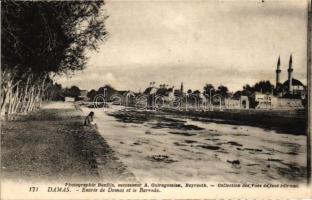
(56, 92)
(247, 90)
(42, 39)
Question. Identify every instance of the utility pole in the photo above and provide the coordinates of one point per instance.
(309, 110)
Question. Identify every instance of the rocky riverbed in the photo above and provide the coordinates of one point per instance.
(164, 147)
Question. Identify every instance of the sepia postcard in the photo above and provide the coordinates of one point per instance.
(156, 99)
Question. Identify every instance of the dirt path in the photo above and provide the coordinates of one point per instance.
(52, 144)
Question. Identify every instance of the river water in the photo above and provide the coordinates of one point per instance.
(162, 147)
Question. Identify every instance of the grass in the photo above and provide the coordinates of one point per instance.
(53, 144)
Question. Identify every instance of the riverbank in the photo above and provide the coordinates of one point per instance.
(52, 145)
(284, 121)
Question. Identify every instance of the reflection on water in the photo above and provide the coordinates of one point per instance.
(166, 147)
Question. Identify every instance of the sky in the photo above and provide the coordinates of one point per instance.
(229, 43)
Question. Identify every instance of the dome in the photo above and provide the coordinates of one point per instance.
(295, 82)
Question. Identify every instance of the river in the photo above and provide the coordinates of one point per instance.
(160, 147)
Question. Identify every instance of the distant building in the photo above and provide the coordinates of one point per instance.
(263, 101)
(69, 99)
(127, 97)
(179, 92)
(268, 101)
(241, 103)
(291, 88)
(83, 95)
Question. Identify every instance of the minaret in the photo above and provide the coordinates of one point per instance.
(181, 89)
(290, 75)
(278, 72)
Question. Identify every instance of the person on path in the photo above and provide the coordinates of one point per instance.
(89, 120)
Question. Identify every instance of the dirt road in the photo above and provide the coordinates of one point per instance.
(51, 144)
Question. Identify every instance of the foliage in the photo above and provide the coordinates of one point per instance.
(41, 39)
(196, 93)
(223, 91)
(49, 36)
(261, 86)
(107, 90)
(55, 92)
(91, 94)
(209, 89)
(73, 91)
(264, 87)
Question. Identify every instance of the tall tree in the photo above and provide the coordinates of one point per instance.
(43, 38)
(55, 92)
(209, 88)
(264, 87)
(91, 94)
(223, 91)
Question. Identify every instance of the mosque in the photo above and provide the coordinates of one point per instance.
(291, 88)
(290, 94)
